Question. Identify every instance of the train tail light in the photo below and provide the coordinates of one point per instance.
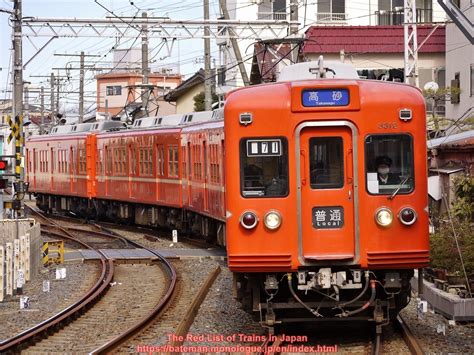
(248, 220)
(272, 220)
(384, 217)
(407, 216)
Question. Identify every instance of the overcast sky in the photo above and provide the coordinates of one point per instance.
(190, 51)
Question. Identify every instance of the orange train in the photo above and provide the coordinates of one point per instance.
(325, 213)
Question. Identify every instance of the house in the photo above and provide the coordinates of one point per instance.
(449, 157)
(377, 52)
(331, 13)
(460, 67)
(117, 89)
(183, 95)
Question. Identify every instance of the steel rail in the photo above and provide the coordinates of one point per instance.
(157, 310)
(20, 340)
(408, 336)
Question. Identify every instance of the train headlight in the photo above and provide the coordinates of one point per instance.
(407, 216)
(384, 217)
(272, 220)
(248, 220)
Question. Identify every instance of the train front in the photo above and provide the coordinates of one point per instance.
(326, 197)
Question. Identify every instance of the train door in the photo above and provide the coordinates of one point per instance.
(327, 192)
(72, 170)
(108, 170)
(205, 177)
(190, 163)
(53, 187)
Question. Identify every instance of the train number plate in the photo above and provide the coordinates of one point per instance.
(328, 217)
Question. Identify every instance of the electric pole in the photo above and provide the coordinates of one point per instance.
(235, 46)
(52, 98)
(81, 89)
(294, 28)
(82, 68)
(207, 61)
(145, 69)
(42, 109)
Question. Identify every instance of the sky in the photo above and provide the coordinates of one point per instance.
(190, 51)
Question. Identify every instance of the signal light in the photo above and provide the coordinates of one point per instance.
(3, 183)
(407, 216)
(3, 165)
(248, 220)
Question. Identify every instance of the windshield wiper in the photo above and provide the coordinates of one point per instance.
(391, 197)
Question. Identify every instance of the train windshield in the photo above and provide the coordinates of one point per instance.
(389, 164)
(264, 167)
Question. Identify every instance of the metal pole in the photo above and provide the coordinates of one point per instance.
(42, 110)
(52, 98)
(145, 69)
(294, 28)
(57, 94)
(235, 46)
(81, 89)
(207, 61)
(18, 101)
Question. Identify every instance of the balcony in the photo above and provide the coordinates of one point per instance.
(272, 16)
(333, 17)
(396, 17)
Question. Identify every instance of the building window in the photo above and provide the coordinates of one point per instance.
(331, 10)
(274, 10)
(455, 85)
(114, 90)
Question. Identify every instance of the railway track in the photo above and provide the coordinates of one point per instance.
(75, 329)
(21, 340)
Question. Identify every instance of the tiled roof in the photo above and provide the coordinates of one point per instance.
(370, 39)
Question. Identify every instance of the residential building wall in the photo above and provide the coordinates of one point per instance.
(460, 59)
(126, 79)
(185, 103)
(357, 13)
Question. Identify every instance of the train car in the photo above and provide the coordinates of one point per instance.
(202, 147)
(317, 228)
(60, 169)
(138, 175)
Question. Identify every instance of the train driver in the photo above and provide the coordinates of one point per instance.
(385, 177)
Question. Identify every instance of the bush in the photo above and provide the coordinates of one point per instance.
(444, 251)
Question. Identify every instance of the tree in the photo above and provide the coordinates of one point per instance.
(438, 97)
(199, 101)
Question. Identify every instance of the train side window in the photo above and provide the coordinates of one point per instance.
(326, 162)
(389, 164)
(264, 167)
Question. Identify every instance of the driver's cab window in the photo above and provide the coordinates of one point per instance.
(264, 167)
(389, 164)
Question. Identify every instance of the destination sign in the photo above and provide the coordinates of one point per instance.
(263, 147)
(325, 97)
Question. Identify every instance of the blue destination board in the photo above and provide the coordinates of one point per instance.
(326, 97)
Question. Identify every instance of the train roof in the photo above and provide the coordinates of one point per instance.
(318, 70)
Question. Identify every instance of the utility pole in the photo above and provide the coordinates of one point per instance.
(411, 42)
(53, 115)
(42, 109)
(81, 89)
(294, 28)
(235, 46)
(207, 61)
(145, 69)
(82, 68)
